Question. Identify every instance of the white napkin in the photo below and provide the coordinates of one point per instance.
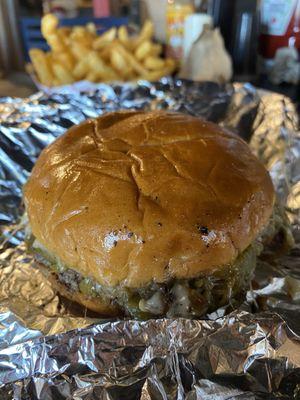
(208, 59)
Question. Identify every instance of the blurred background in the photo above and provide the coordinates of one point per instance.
(261, 37)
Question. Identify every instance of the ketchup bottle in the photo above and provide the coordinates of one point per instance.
(280, 27)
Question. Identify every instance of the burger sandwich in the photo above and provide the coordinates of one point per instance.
(148, 214)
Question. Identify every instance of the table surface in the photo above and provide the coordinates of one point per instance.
(16, 84)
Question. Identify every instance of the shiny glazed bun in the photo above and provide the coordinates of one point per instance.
(136, 197)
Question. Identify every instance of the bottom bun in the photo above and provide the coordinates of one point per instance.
(96, 304)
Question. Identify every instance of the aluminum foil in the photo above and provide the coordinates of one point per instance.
(49, 349)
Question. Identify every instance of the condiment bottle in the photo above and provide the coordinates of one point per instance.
(280, 27)
(177, 11)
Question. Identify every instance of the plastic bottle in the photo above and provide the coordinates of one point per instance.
(280, 27)
(177, 11)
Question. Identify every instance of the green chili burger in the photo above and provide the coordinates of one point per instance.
(148, 214)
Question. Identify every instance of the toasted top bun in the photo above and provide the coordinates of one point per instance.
(132, 197)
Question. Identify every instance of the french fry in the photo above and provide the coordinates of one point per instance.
(79, 51)
(92, 77)
(61, 73)
(143, 50)
(78, 31)
(169, 68)
(145, 34)
(100, 45)
(41, 66)
(86, 41)
(105, 38)
(56, 43)
(81, 35)
(91, 28)
(81, 69)
(124, 37)
(50, 57)
(106, 52)
(135, 65)
(98, 66)
(156, 75)
(154, 63)
(67, 59)
(131, 76)
(49, 25)
(153, 75)
(109, 35)
(95, 62)
(64, 31)
(119, 63)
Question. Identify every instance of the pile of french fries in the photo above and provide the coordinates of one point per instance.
(78, 53)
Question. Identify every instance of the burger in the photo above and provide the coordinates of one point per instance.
(149, 214)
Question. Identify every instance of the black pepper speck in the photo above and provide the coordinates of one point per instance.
(203, 229)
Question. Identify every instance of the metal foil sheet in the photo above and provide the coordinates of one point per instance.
(50, 349)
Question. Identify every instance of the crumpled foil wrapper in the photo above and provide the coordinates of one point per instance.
(49, 349)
